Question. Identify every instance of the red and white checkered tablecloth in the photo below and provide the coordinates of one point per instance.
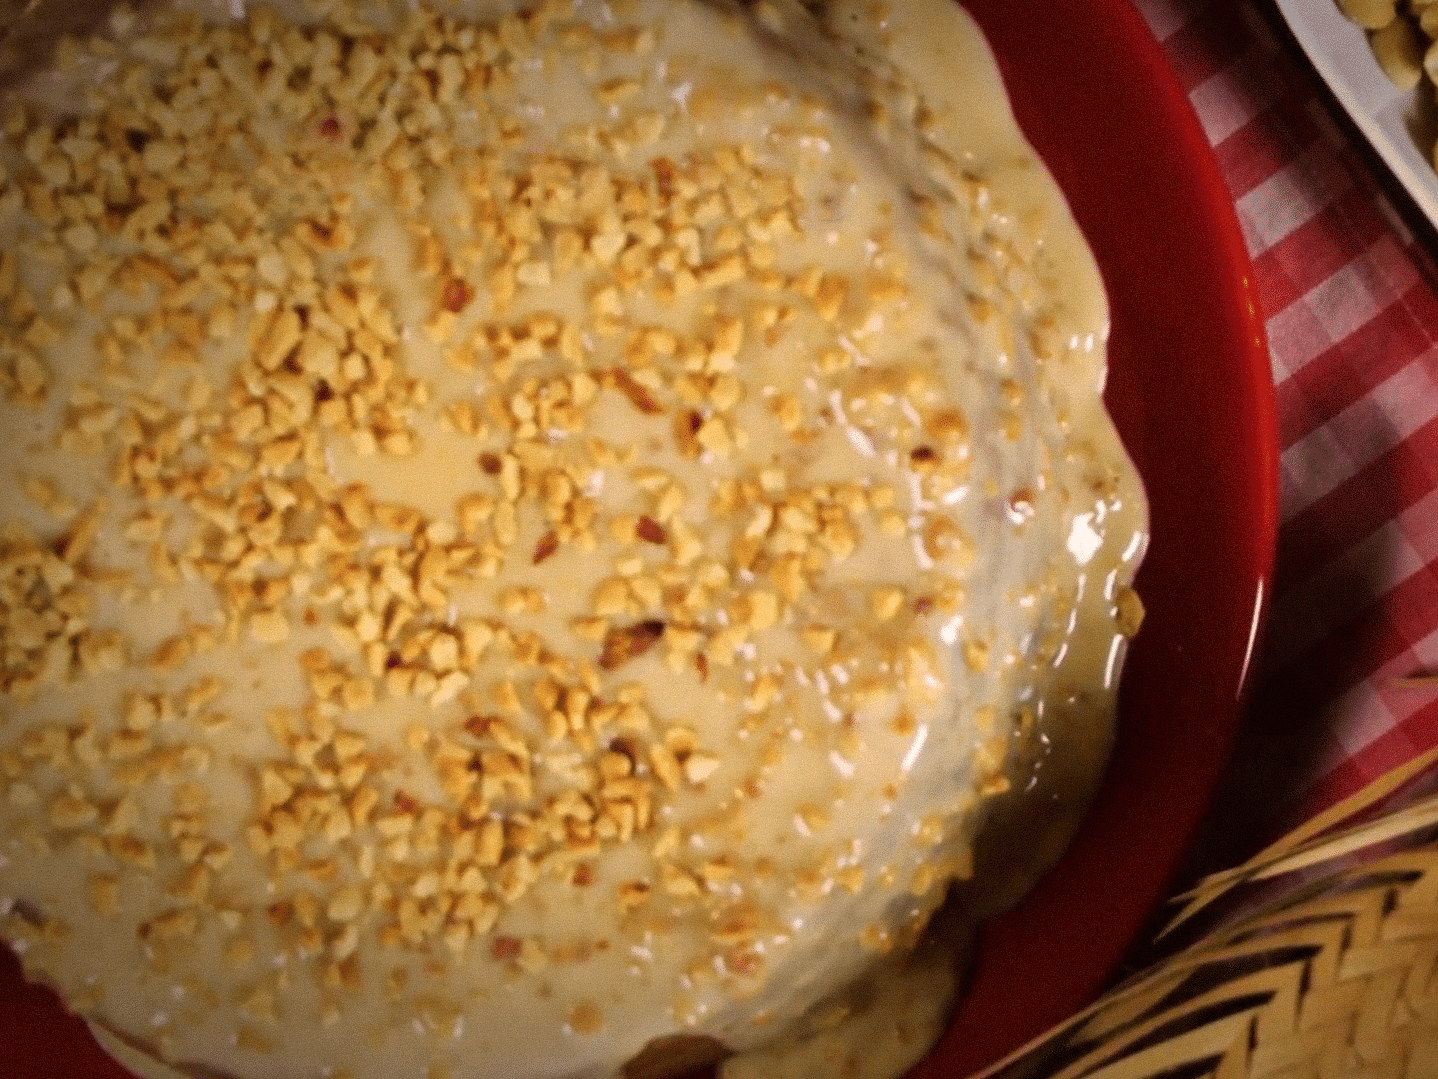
(1350, 299)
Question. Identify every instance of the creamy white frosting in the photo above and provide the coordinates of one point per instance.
(677, 318)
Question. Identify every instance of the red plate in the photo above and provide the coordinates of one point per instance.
(1191, 392)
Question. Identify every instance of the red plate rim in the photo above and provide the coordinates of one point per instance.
(1191, 391)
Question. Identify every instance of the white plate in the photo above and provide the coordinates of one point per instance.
(1384, 114)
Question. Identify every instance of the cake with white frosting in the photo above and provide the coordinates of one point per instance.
(530, 532)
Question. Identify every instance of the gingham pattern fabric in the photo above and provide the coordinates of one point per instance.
(1351, 307)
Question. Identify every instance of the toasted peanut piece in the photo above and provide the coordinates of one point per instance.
(1399, 53)
(1370, 14)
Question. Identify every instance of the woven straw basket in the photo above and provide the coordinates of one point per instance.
(1318, 959)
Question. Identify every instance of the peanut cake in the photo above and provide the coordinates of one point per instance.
(535, 533)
